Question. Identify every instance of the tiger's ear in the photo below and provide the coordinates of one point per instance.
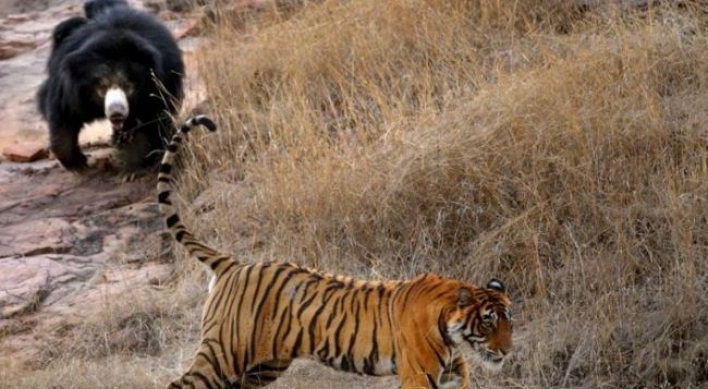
(496, 284)
(463, 297)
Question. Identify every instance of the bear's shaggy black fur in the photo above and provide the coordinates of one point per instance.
(117, 62)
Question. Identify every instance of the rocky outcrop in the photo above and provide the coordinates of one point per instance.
(68, 243)
(65, 246)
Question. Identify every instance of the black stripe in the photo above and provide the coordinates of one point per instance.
(163, 197)
(442, 327)
(225, 338)
(352, 338)
(221, 260)
(225, 292)
(261, 274)
(304, 305)
(215, 362)
(235, 308)
(179, 235)
(338, 331)
(172, 147)
(205, 121)
(165, 168)
(208, 325)
(441, 359)
(246, 285)
(433, 384)
(292, 271)
(172, 220)
(282, 323)
(259, 281)
(163, 179)
(335, 310)
(259, 309)
(228, 267)
(324, 303)
(204, 379)
(323, 353)
(295, 351)
(373, 357)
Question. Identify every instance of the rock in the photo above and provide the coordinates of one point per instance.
(26, 152)
(69, 243)
(28, 282)
(13, 43)
(33, 237)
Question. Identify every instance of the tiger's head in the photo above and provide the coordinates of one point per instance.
(482, 319)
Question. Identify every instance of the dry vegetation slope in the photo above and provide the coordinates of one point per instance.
(561, 150)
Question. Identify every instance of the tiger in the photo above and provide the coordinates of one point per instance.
(260, 316)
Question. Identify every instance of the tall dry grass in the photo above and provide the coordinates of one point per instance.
(560, 147)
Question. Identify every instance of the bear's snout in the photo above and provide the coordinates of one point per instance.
(117, 109)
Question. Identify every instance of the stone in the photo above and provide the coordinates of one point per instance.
(26, 152)
(16, 44)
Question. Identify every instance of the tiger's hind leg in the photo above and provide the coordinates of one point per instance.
(205, 372)
(262, 374)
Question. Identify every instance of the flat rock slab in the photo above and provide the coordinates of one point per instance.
(68, 242)
(34, 237)
(28, 282)
(26, 152)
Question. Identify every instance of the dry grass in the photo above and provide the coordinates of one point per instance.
(561, 149)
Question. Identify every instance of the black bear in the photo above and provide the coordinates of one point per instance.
(118, 63)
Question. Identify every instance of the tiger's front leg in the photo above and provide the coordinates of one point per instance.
(423, 370)
(456, 375)
(418, 372)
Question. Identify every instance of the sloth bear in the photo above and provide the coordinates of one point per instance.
(117, 63)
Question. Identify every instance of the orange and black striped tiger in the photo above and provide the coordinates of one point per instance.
(259, 317)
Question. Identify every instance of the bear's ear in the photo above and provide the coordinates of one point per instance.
(145, 53)
(65, 28)
(94, 7)
(496, 284)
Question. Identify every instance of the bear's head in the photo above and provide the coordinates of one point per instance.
(111, 75)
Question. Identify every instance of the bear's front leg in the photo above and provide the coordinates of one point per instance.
(64, 144)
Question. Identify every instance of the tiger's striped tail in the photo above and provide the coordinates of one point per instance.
(217, 261)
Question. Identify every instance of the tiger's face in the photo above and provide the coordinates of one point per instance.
(482, 319)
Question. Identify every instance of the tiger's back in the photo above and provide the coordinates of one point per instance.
(261, 316)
